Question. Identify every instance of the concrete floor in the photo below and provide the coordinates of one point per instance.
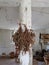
(8, 62)
(12, 62)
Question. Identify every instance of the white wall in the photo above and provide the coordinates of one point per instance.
(6, 41)
(47, 30)
(40, 3)
(9, 16)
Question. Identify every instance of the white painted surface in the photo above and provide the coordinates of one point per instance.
(25, 13)
(24, 58)
(40, 3)
(9, 17)
(25, 18)
(40, 18)
(9, 3)
(15, 3)
(6, 45)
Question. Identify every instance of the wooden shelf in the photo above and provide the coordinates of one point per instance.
(44, 37)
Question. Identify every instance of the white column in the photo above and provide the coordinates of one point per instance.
(25, 12)
(25, 18)
(31, 56)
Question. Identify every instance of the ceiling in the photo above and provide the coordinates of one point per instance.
(9, 14)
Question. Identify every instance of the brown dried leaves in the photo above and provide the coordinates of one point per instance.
(23, 39)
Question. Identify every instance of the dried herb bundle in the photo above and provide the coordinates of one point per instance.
(23, 39)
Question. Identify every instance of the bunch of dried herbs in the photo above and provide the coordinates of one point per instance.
(23, 39)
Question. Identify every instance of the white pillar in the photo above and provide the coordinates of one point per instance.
(31, 56)
(25, 18)
(25, 12)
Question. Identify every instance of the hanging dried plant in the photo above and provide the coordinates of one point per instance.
(23, 39)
